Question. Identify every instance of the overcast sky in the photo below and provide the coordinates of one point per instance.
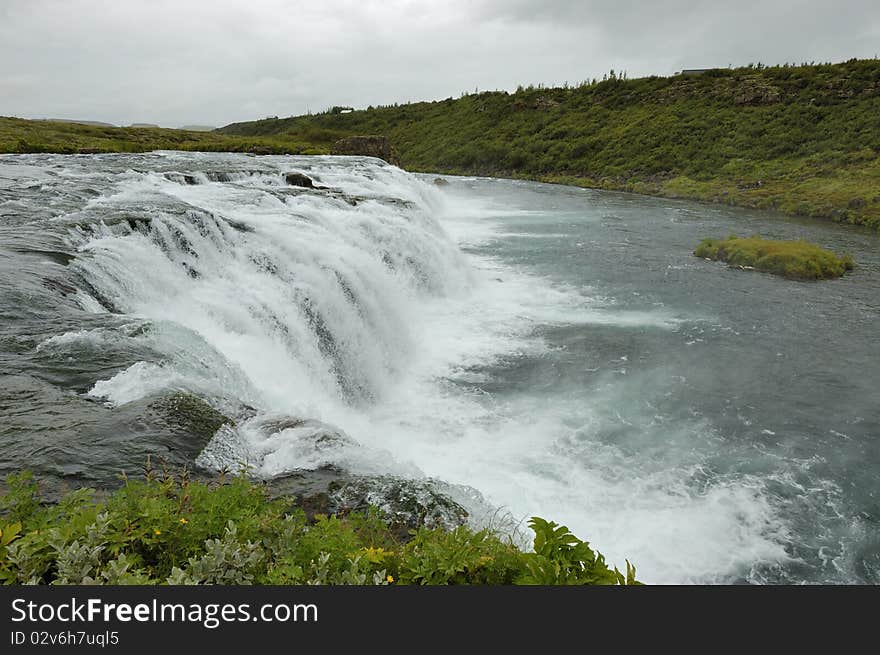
(176, 62)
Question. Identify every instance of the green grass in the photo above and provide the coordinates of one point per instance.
(24, 136)
(167, 530)
(797, 260)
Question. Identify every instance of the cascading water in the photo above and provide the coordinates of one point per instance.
(308, 296)
(528, 349)
(296, 302)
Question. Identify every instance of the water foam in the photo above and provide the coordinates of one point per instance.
(356, 308)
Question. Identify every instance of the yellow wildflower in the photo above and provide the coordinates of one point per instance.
(157, 532)
(390, 579)
(183, 521)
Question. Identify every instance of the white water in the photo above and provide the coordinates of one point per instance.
(364, 317)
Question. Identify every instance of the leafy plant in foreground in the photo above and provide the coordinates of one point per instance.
(560, 558)
(163, 530)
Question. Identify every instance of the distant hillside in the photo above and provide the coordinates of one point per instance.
(70, 120)
(198, 128)
(800, 139)
(19, 135)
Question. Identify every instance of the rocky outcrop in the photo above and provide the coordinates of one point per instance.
(406, 504)
(368, 146)
(756, 92)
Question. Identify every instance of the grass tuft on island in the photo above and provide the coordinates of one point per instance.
(798, 260)
(170, 530)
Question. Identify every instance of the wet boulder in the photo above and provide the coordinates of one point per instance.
(300, 180)
(406, 504)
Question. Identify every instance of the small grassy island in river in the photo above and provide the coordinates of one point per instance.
(798, 260)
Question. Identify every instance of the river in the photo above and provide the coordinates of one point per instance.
(541, 350)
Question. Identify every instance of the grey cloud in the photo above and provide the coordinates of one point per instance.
(218, 61)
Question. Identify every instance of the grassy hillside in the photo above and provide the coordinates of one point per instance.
(19, 135)
(800, 139)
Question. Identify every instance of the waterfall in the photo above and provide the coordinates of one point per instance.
(289, 299)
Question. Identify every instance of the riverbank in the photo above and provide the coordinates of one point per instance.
(799, 139)
(848, 193)
(842, 188)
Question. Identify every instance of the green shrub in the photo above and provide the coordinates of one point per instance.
(560, 558)
(460, 556)
(163, 530)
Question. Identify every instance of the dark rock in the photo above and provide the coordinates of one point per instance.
(439, 181)
(367, 146)
(857, 203)
(181, 178)
(406, 504)
(309, 490)
(229, 176)
(298, 179)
